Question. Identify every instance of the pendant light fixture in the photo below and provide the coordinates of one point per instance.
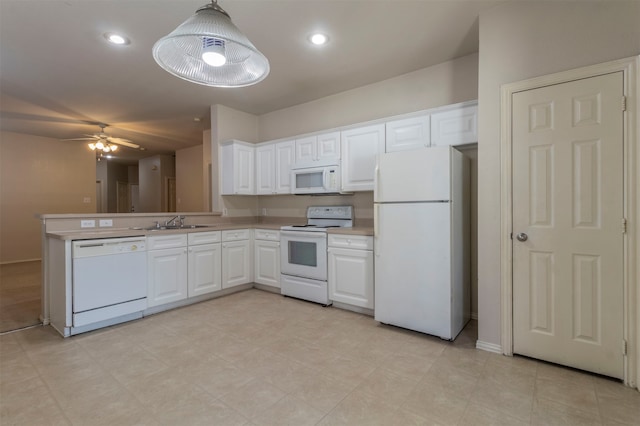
(209, 49)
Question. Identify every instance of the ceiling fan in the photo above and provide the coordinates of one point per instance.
(105, 143)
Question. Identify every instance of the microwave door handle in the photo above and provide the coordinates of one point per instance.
(324, 179)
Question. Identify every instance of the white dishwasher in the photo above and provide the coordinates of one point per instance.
(109, 279)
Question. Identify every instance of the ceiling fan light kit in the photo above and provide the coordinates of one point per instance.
(209, 49)
(103, 147)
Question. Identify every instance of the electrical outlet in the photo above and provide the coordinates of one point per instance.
(86, 200)
(264, 211)
(87, 223)
(106, 222)
(225, 212)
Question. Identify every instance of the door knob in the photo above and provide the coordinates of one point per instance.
(522, 236)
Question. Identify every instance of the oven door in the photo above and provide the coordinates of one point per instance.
(304, 254)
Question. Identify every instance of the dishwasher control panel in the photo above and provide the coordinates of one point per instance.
(107, 246)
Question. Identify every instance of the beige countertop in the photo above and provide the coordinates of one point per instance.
(356, 230)
(136, 232)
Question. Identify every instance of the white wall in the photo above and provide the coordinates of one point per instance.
(520, 40)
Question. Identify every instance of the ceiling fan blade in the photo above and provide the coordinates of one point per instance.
(124, 142)
(79, 139)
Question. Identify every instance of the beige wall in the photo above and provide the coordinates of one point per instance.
(102, 174)
(189, 179)
(447, 83)
(153, 173)
(227, 123)
(520, 40)
(296, 205)
(36, 178)
(115, 173)
(207, 171)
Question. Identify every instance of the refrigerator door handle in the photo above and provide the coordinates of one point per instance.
(376, 179)
(376, 230)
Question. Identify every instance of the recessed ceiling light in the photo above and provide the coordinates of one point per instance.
(319, 39)
(116, 38)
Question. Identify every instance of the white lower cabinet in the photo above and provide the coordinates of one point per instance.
(237, 258)
(205, 263)
(166, 269)
(351, 270)
(267, 257)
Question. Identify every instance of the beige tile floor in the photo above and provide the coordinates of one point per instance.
(256, 358)
(20, 288)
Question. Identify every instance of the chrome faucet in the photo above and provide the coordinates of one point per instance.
(172, 221)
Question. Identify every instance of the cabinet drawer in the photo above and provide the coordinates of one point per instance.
(235, 235)
(267, 234)
(360, 242)
(204, 237)
(166, 241)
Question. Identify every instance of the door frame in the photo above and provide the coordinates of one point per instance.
(631, 204)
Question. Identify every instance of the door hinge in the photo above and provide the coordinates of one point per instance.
(624, 225)
(624, 347)
(511, 235)
(624, 103)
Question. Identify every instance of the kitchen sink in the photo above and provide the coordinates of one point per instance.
(170, 227)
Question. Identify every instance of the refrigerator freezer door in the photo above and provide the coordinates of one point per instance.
(412, 267)
(420, 175)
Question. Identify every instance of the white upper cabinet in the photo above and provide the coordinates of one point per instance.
(359, 147)
(306, 149)
(273, 167)
(265, 169)
(324, 148)
(407, 134)
(328, 146)
(457, 126)
(237, 164)
(284, 160)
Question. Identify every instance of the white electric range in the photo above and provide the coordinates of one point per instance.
(303, 253)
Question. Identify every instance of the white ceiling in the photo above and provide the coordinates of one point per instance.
(59, 77)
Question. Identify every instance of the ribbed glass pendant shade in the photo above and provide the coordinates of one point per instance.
(211, 30)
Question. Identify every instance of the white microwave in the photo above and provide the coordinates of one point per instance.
(315, 180)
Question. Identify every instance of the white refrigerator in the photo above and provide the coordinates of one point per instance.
(421, 237)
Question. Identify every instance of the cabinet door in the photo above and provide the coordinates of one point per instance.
(205, 272)
(236, 263)
(407, 134)
(167, 276)
(284, 158)
(306, 149)
(244, 169)
(265, 173)
(351, 277)
(328, 147)
(267, 262)
(455, 127)
(359, 148)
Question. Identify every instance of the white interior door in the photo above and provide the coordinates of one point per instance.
(568, 204)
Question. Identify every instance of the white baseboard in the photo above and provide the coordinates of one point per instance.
(489, 347)
(11, 262)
